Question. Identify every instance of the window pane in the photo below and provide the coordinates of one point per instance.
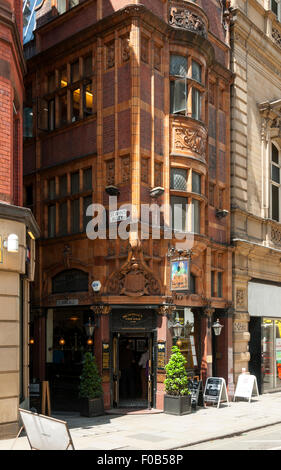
(75, 105)
(52, 221)
(88, 99)
(275, 173)
(178, 96)
(75, 182)
(275, 154)
(196, 71)
(178, 65)
(63, 109)
(87, 66)
(274, 6)
(195, 216)
(63, 77)
(27, 122)
(52, 188)
(87, 201)
(178, 179)
(63, 218)
(73, 3)
(61, 6)
(75, 216)
(63, 185)
(75, 71)
(87, 179)
(275, 203)
(179, 211)
(219, 284)
(196, 182)
(51, 115)
(196, 104)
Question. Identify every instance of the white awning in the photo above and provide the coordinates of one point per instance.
(264, 300)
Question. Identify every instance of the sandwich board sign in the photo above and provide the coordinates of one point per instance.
(215, 391)
(195, 386)
(45, 433)
(246, 387)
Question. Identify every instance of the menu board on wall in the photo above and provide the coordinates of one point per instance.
(161, 352)
(105, 356)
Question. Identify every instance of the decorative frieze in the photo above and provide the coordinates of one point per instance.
(276, 36)
(184, 18)
(276, 235)
(189, 139)
(240, 298)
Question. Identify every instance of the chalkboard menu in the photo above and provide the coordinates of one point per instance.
(215, 390)
(195, 387)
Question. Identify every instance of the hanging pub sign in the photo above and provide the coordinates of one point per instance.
(105, 356)
(180, 274)
(161, 352)
(215, 391)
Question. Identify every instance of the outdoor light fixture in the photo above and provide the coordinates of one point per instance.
(156, 192)
(217, 327)
(112, 190)
(89, 327)
(31, 341)
(12, 243)
(221, 213)
(62, 342)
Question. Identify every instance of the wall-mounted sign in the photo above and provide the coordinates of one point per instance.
(132, 317)
(180, 274)
(105, 356)
(161, 353)
(117, 216)
(66, 302)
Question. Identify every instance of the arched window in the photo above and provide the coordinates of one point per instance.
(72, 280)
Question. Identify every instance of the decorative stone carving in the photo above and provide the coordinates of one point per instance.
(183, 18)
(110, 172)
(240, 298)
(145, 49)
(134, 279)
(110, 55)
(276, 35)
(240, 327)
(126, 169)
(194, 140)
(125, 48)
(275, 236)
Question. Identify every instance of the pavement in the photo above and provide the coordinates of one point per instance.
(160, 431)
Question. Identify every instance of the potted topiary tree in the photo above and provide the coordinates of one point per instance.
(177, 400)
(90, 391)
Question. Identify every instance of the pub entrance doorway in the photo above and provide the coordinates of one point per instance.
(133, 370)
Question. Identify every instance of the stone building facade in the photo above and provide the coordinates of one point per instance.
(131, 99)
(255, 188)
(18, 228)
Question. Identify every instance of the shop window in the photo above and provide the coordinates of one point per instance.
(196, 182)
(72, 280)
(275, 183)
(51, 221)
(178, 179)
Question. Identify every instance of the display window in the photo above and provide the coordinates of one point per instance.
(271, 353)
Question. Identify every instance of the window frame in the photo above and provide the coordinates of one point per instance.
(274, 183)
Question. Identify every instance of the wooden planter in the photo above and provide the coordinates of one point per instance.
(91, 407)
(174, 405)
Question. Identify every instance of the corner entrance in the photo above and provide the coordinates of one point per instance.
(133, 370)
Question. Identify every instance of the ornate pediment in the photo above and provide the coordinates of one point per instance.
(134, 279)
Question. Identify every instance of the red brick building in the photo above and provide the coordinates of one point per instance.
(127, 98)
(18, 228)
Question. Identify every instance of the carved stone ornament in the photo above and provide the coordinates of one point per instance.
(275, 236)
(134, 279)
(183, 18)
(240, 297)
(194, 140)
(276, 36)
(125, 49)
(110, 55)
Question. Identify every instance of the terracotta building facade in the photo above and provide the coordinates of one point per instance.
(132, 102)
(18, 228)
(255, 192)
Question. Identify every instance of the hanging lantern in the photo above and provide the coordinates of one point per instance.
(217, 327)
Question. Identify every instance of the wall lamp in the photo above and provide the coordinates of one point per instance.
(12, 243)
(156, 192)
(217, 327)
(112, 190)
(221, 213)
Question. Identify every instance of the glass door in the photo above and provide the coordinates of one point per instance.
(271, 354)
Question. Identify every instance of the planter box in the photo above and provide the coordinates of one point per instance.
(91, 407)
(177, 405)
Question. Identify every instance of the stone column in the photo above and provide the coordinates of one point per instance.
(241, 335)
